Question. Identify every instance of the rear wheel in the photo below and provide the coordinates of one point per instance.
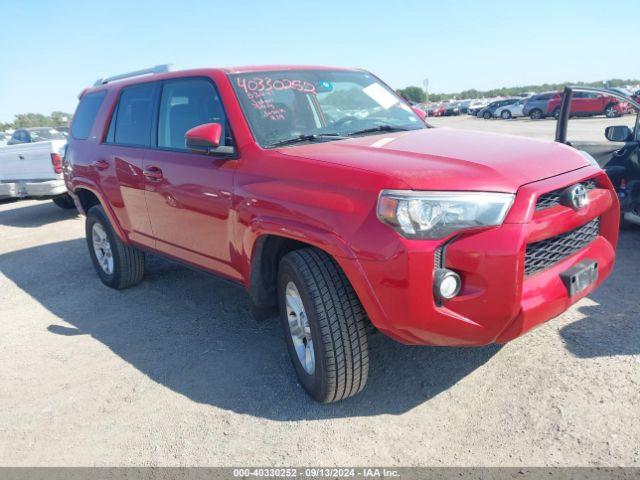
(506, 114)
(64, 201)
(535, 114)
(611, 111)
(556, 113)
(118, 265)
(324, 325)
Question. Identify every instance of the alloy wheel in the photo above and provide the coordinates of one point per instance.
(299, 328)
(102, 248)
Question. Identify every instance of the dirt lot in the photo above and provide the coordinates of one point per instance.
(176, 372)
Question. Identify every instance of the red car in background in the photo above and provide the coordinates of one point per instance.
(587, 104)
(437, 110)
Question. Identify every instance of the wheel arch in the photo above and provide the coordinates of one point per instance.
(613, 105)
(86, 196)
(269, 241)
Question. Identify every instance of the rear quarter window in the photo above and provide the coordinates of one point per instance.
(86, 114)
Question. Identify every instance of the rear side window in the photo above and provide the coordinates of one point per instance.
(187, 103)
(86, 114)
(134, 115)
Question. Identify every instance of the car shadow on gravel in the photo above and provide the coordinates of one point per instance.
(31, 215)
(193, 333)
(612, 325)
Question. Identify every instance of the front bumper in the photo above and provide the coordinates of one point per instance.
(497, 302)
(22, 189)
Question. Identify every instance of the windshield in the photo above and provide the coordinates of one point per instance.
(326, 104)
(42, 134)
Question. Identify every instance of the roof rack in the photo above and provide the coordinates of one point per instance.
(145, 71)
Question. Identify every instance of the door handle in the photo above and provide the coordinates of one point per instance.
(152, 173)
(100, 164)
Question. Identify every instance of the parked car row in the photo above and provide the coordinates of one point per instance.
(536, 106)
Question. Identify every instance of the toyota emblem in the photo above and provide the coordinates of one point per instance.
(575, 197)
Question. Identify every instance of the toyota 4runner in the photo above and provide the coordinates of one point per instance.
(326, 195)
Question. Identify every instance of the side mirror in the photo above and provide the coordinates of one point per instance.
(618, 133)
(204, 137)
(420, 113)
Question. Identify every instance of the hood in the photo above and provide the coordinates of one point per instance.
(448, 159)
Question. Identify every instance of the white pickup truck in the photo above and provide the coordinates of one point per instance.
(34, 170)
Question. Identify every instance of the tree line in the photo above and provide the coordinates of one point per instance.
(27, 120)
(417, 94)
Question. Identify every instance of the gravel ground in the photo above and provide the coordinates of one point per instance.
(176, 372)
(583, 129)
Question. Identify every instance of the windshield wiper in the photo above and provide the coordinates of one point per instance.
(379, 128)
(308, 138)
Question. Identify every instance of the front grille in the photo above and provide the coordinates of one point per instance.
(545, 253)
(552, 199)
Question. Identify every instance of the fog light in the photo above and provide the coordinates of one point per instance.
(446, 283)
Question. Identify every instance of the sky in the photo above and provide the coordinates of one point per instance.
(51, 50)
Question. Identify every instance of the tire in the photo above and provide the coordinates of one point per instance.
(487, 115)
(536, 114)
(127, 263)
(334, 320)
(625, 224)
(505, 115)
(64, 201)
(611, 112)
(556, 113)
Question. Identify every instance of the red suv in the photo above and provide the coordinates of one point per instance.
(325, 195)
(584, 104)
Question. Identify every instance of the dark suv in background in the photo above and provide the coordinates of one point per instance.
(536, 106)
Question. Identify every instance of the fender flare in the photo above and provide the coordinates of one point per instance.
(90, 186)
(326, 240)
(253, 243)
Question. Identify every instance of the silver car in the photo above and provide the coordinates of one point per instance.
(510, 111)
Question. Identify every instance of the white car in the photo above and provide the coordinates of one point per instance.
(511, 111)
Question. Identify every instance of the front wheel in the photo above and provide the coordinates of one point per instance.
(487, 115)
(118, 265)
(506, 115)
(324, 325)
(536, 114)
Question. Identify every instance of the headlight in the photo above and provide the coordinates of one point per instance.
(432, 215)
(592, 161)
